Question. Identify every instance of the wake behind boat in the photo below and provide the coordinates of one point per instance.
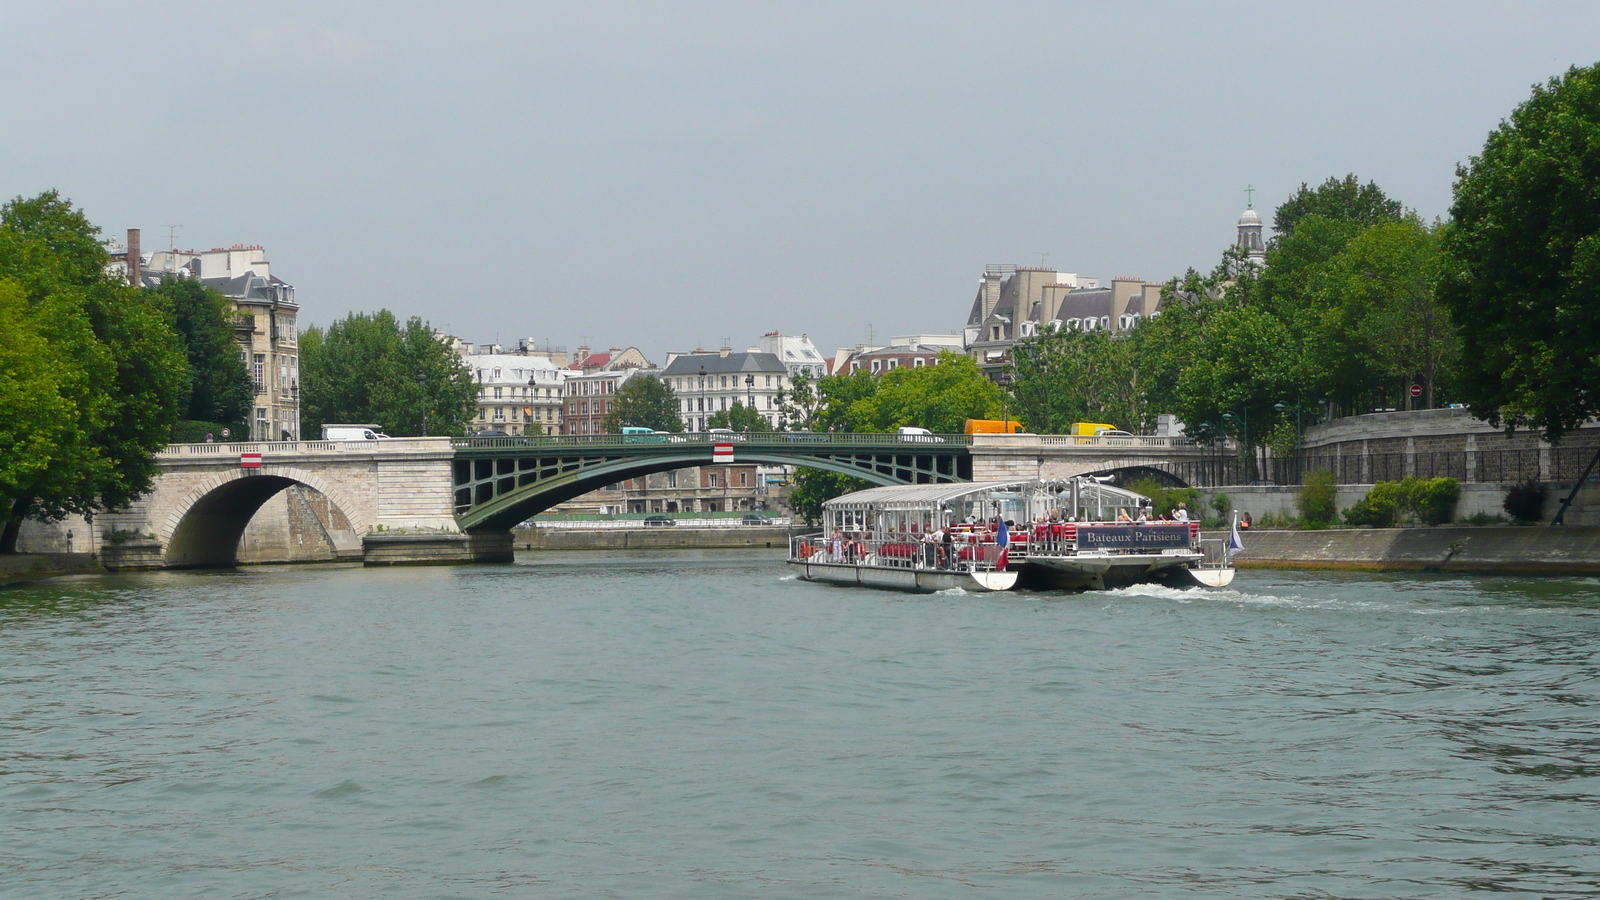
(1073, 534)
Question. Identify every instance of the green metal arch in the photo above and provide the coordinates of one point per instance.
(507, 510)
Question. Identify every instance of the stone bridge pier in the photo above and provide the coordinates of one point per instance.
(396, 501)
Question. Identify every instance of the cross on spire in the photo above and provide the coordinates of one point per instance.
(1249, 197)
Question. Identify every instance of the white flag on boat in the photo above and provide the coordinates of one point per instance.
(1234, 544)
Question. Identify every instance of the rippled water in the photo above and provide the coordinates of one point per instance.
(682, 725)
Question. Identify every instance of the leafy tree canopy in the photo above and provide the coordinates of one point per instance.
(366, 367)
(814, 487)
(1343, 199)
(739, 417)
(1522, 262)
(940, 398)
(119, 369)
(1071, 376)
(644, 401)
(218, 388)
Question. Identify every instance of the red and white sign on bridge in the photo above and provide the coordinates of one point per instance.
(250, 460)
(722, 453)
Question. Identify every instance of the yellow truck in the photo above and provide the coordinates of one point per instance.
(994, 426)
(1090, 429)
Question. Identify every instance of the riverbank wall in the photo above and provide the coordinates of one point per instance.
(1476, 499)
(1527, 550)
(661, 538)
(31, 566)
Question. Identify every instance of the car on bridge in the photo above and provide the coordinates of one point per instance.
(653, 521)
(805, 437)
(724, 434)
(756, 519)
(919, 435)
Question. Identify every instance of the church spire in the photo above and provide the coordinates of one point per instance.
(1249, 239)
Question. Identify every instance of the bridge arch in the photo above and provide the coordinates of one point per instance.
(532, 494)
(1156, 472)
(203, 529)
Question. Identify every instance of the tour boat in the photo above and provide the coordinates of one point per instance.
(1071, 534)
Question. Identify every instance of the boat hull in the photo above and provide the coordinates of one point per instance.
(919, 580)
(1092, 572)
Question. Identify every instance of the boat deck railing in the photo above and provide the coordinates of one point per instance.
(966, 553)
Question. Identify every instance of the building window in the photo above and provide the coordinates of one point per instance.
(876, 366)
(259, 371)
(497, 393)
(711, 479)
(918, 363)
(672, 479)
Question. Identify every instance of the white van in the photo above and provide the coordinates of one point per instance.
(923, 435)
(352, 433)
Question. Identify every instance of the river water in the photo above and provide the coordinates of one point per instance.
(702, 725)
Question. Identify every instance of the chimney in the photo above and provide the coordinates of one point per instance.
(133, 256)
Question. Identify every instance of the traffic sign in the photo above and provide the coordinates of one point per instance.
(1416, 390)
(226, 433)
(250, 460)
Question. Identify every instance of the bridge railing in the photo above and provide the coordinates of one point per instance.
(790, 439)
(299, 447)
(1102, 440)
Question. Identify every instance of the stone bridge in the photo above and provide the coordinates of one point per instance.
(455, 500)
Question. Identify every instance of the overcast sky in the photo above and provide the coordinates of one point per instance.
(668, 175)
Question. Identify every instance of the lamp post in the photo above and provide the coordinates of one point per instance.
(750, 393)
(1299, 447)
(533, 392)
(1004, 380)
(1244, 423)
(702, 397)
(1430, 362)
(422, 389)
(294, 400)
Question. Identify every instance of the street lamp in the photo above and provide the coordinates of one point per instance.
(533, 393)
(750, 395)
(1004, 380)
(1244, 423)
(702, 398)
(422, 388)
(1299, 448)
(1430, 362)
(294, 400)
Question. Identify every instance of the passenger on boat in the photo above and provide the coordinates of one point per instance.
(1122, 516)
(1182, 513)
(836, 545)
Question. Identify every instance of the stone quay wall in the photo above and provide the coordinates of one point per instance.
(1527, 550)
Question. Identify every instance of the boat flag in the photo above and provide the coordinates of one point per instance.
(1234, 544)
(722, 453)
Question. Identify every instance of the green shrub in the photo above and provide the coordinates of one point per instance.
(1316, 499)
(1430, 501)
(189, 431)
(1222, 505)
(1525, 502)
(1483, 519)
(1163, 499)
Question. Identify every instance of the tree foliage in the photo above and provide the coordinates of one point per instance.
(217, 388)
(1344, 199)
(1522, 271)
(940, 398)
(364, 368)
(117, 370)
(644, 401)
(814, 487)
(739, 417)
(1069, 376)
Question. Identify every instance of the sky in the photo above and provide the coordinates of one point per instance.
(670, 175)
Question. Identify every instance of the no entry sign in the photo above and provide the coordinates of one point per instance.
(1416, 390)
(722, 453)
(249, 460)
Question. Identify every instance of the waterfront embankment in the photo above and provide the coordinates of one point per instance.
(1531, 550)
(658, 538)
(32, 566)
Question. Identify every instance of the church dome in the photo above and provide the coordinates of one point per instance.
(1250, 217)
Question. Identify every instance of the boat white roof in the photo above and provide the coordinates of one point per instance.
(919, 496)
(926, 496)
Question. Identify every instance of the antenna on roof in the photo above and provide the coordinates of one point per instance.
(1043, 257)
(870, 338)
(172, 236)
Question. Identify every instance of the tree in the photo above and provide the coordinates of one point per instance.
(739, 417)
(1344, 199)
(366, 368)
(644, 401)
(1522, 262)
(837, 395)
(814, 487)
(799, 406)
(940, 398)
(218, 387)
(118, 366)
(1071, 376)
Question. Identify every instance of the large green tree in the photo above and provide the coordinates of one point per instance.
(218, 387)
(1344, 199)
(814, 487)
(368, 368)
(644, 401)
(739, 417)
(1071, 376)
(940, 398)
(1522, 262)
(119, 370)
